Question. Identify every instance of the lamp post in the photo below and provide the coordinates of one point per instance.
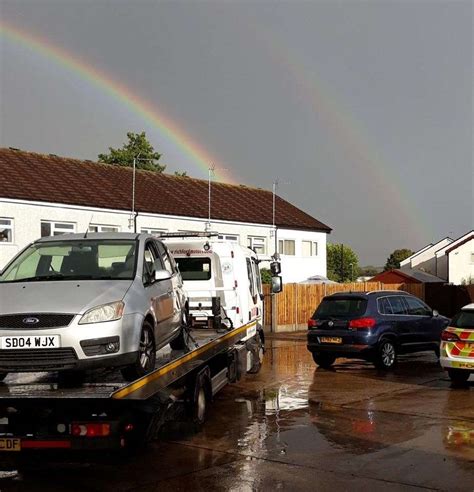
(134, 214)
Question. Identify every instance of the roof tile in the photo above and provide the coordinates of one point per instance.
(32, 176)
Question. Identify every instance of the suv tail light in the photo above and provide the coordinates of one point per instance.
(362, 323)
(312, 323)
(449, 336)
(89, 429)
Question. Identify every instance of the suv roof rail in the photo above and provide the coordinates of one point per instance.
(389, 290)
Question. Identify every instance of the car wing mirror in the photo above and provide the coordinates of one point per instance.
(276, 284)
(162, 275)
(435, 313)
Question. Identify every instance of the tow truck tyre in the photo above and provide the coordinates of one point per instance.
(146, 355)
(3, 375)
(386, 356)
(200, 398)
(256, 354)
(323, 360)
(458, 376)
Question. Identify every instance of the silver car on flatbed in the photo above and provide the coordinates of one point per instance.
(80, 301)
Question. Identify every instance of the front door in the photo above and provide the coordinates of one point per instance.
(159, 293)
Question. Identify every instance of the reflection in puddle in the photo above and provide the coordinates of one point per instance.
(459, 435)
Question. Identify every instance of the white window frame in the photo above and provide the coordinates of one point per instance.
(102, 227)
(313, 249)
(257, 242)
(8, 227)
(281, 246)
(229, 237)
(154, 231)
(56, 227)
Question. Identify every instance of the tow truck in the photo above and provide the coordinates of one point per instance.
(41, 411)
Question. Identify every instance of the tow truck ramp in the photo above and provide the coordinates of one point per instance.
(40, 411)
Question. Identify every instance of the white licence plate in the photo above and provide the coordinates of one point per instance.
(30, 342)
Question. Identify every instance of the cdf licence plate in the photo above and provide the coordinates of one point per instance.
(30, 342)
(10, 444)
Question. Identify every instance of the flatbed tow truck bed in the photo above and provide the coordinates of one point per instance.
(40, 411)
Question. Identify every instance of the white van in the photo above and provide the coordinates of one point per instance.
(223, 284)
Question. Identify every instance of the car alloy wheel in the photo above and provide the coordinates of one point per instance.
(146, 350)
(386, 357)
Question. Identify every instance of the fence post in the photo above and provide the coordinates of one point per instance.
(296, 306)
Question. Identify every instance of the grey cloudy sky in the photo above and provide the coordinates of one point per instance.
(362, 109)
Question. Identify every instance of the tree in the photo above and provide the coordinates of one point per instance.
(393, 261)
(181, 174)
(137, 147)
(369, 271)
(266, 275)
(342, 263)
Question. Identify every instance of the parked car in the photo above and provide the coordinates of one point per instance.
(82, 301)
(375, 326)
(457, 345)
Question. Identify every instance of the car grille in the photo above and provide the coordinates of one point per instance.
(37, 359)
(37, 321)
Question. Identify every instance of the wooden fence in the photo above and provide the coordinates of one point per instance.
(297, 302)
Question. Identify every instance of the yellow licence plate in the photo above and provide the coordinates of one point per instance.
(10, 444)
(331, 340)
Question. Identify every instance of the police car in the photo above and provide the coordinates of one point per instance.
(457, 345)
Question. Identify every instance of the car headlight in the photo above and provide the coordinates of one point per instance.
(106, 312)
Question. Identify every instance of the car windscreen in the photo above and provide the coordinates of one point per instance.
(341, 307)
(74, 260)
(194, 268)
(464, 319)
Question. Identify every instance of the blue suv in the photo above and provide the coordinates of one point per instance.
(375, 326)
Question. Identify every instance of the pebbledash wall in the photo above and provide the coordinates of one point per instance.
(26, 217)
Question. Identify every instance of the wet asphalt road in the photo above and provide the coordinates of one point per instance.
(296, 427)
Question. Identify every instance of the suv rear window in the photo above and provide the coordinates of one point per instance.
(464, 319)
(346, 307)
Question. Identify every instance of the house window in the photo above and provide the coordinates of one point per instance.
(286, 247)
(229, 237)
(56, 228)
(103, 228)
(257, 244)
(153, 232)
(309, 248)
(6, 230)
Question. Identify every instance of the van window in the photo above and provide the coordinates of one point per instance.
(251, 278)
(194, 268)
(258, 278)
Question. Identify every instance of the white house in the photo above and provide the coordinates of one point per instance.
(426, 260)
(48, 195)
(448, 259)
(460, 257)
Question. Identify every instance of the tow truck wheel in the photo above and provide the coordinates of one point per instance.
(256, 354)
(200, 398)
(458, 376)
(3, 375)
(146, 356)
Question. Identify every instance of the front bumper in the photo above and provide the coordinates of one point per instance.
(72, 354)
